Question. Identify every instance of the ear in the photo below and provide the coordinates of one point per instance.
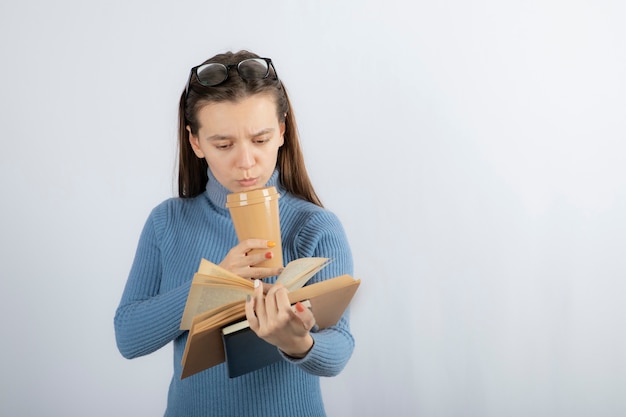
(283, 128)
(194, 141)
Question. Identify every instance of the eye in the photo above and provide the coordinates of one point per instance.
(223, 145)
(262, 140)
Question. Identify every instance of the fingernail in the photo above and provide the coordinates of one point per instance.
(248, 298)
(271, 243)
(269, 255)
(299, 307)
(257, 283)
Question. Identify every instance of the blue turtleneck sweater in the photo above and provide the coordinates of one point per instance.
(176, 236)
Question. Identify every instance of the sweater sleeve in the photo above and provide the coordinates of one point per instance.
(324, 236)
(146, 318)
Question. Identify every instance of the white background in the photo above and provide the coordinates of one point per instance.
(473, 150)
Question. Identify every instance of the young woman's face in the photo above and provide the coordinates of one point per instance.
(240, 141)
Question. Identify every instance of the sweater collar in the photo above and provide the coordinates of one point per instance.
(217, 193)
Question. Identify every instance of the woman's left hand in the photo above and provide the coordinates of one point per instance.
(272, 319)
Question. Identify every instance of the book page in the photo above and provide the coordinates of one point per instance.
(299, 271)
(212, 280)
(219, 318)
(209, 269)
(205, 296)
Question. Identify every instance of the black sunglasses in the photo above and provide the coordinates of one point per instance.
(214, 73)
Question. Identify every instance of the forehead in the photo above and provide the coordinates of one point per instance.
(250, 113)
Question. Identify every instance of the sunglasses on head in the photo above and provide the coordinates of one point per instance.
(214, 73)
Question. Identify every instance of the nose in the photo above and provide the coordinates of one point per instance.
(245, 157)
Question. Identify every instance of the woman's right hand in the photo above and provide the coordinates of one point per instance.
(241, 261)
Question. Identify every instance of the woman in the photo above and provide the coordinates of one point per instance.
(237, 132)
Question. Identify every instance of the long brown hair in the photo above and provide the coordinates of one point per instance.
(192, 171)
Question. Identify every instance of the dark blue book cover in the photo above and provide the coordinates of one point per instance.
(245, 351)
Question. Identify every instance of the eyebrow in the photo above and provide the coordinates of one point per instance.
(254, 135)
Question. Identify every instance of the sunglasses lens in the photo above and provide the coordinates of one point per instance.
(253, 69)
(211, 74)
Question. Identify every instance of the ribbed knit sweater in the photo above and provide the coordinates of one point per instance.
(177, 235)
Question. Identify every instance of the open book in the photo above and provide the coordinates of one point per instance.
(205, 344)
(214, 287)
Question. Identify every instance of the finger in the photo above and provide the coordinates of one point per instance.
(272, 304)
(237, 259)
(267, 287)
(305, 315)
(259, 303)
(250, 314)
(282, 299)
(256, 273)
(249, 244)
(259, 256)
(263, 272)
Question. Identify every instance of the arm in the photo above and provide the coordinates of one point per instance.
(324, 353)
(147, 319)
(331, 350)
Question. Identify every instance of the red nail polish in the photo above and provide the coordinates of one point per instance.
(269, 255)
(299, 307)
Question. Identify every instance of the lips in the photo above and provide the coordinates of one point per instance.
(247, 182)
